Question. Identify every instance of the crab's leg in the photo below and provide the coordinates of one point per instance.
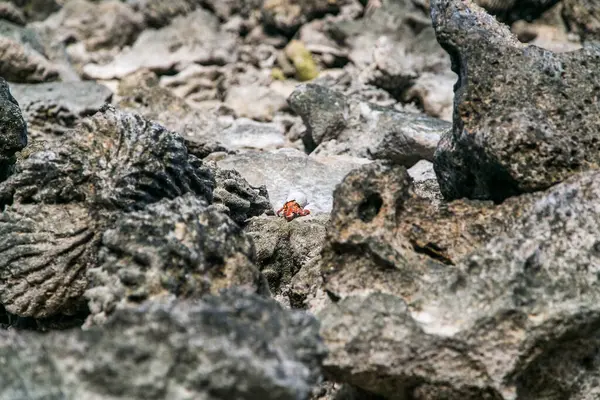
(304, 212)
(278, 213)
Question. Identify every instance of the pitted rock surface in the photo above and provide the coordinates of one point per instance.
(13, 131)
(180, 247)
(518, 311)
(177, 350)
(337, 124)
(524, 118)
(52, 109)
(583, 17)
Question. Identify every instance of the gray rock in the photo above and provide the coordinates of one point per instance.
(44, 253)
(583, 17)
(425, 182)
(255, 102)
(288, 15)
(234, 346)
(13, 136)
(524, 119)
(516, 318)
(194, 38)
(236, 197)
(94, 24)
(510, 11)
(283, 248)
(177, 247)
(340, 125)
(22, 63)
(10, 12)
(288, 169)
(113, 160)
(37, 10)
(51, 109)
(158, 14)
(243, 133)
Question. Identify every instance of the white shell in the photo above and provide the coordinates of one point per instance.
(299, 197)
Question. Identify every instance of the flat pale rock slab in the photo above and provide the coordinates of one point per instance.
(290, 169)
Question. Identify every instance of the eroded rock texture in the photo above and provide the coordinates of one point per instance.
(583, 17)
(337, 124)
(13, 129)
(181, 247)
(234, 346)
(524, 119)
(515, 318)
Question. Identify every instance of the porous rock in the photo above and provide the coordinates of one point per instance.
(232, 346)
(113, 160)
(283, 248)
(51, 109)
(524, 118)
(337, 124)
(583, 17)
(180, 247)
(516, 318)
(22, 63)
(36, 10)
(9, 12)
(44, 252)
(236, 197)
(287, 16)
(289, 169)
(510, 11)
(385, 236)
(13, 135)
(194, 38)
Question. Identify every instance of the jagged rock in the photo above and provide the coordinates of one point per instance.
(283, 248)
(425, 182)
(44, 252)
(516, 318)
(94, 24)
(194, 38)
(234, 346)
(179, 247)
(114, 160)
(53, 108)
(510, 11)
(158, 14)
(395, 48)
(384, 236)
(197, 83)
(37, 10)
(524, 119)
(287, 16)
(244, 133)
(13, 135)
(583, 17)
(340, 125)
(9, 12)
(289, 169)
(21, 63)
(237, 198)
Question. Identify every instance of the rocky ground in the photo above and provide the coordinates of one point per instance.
(449, 151)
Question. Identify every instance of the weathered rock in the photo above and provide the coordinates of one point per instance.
(177, 247)
(114, 160)
(13, 135)
(37, 10)
(237, 198)
(516, 318)
(19, 62)
(384, 236)
(94, 24)
(510, 11)
(234, 346)
(340, 125)
(197, 83)
(287, 16)
(524, 119)
(194, 38)
(283, 248)
(243, 133)
(425, 182)
(51, 109)
(9, 12)
(583, 17)
(44, 252)
(288, 169)
(255, 102)
(158, 14)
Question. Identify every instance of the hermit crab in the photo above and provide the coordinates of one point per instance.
(294, 206)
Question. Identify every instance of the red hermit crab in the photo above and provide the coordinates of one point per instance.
(294, 206)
